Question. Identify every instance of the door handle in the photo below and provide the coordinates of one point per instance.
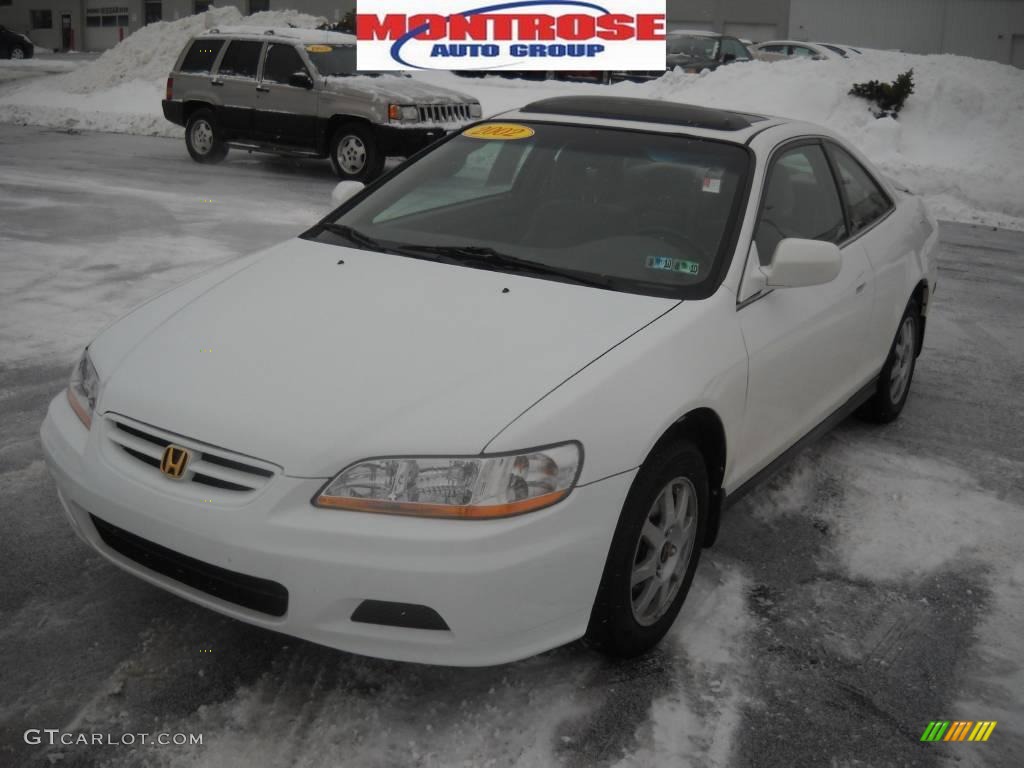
(860, 287)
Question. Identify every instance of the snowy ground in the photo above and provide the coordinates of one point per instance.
(872, 587)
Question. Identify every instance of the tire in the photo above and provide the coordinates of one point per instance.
(17, 52)
(894, 380)
(203, 137)
(629, 619)
(355, 154)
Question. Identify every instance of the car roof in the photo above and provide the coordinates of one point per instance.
(791, 42)
(650, 114)
(292, 34)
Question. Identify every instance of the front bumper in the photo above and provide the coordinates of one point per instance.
(506, 589)
(399, 141)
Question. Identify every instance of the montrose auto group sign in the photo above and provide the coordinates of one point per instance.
(515, 35)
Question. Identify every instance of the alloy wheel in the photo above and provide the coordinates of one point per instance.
(351, 154)
(664, 551)
(202, 137)
(899, 374)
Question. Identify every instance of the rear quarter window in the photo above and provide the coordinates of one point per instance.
(201, 55)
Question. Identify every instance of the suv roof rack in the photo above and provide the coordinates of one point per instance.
(644, 111)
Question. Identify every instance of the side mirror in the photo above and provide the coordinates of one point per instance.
(300, 80)
(345, 190)
(798, 263)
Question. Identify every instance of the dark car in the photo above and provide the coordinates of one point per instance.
(14, 45)
(692, 52)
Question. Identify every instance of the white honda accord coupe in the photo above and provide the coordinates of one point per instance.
(498, 400)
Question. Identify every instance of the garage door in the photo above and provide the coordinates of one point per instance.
(105, 27)
(1017, 51)
(756, 33)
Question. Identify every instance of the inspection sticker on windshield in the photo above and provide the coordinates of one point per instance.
(712, 182)
(668, 264)
(500, 131)
(319, 48)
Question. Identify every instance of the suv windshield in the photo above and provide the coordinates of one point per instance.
(641, 212)
(337, 61)
(694, 47)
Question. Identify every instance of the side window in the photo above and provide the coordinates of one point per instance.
(241, 59)
(865, 200)
(201, 55)
(282, 62)
(774, 48)
(735, 48)
(799, 50)
(800, 200)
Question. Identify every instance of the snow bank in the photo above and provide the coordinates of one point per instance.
(957, 142)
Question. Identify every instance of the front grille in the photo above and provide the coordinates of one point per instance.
(260, 595)
(207, 466)
(444, 113)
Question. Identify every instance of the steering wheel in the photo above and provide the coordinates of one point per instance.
(674, 237)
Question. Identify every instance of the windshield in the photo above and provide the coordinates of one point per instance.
(338, 61)
(640, 212)
(694, 47)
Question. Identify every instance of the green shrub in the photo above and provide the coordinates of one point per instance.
(888, 98)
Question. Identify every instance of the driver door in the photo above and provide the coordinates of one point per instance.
(805, 345)
(285, 113)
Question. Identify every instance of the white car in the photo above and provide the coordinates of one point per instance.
(498, 399)
(773, 50)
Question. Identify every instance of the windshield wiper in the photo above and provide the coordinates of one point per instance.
(492, 259)
(357, 237)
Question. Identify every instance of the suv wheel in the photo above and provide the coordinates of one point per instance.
(202, 137)
(355, 155)
(654, 554)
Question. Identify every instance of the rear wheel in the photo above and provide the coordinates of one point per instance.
(894, 380)
(355, 155)
(203, 137)
(654, 553)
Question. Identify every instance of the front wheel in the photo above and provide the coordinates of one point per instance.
(894, 380)
(355, 155)
(17, 52)
(203, 138)
(654, 553)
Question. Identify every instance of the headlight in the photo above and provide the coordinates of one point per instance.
(84, 388)
(476, 487)
(403, 114)
(475, 110)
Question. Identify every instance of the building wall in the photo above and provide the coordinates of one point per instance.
(17, 16)
(984, 29)
(753, 19)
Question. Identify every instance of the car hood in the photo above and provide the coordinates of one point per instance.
(397, 88)
(310, 363)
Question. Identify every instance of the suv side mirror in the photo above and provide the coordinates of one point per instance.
(300, 80)
(798, 263)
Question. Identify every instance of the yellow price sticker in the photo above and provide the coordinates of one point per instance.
(318, 48)
(500, 131)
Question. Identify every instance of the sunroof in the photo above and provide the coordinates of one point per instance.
(645, 111)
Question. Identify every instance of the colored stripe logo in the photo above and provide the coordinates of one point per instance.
(958, 730)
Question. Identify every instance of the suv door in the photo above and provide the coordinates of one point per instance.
(285, 113)
(236, 80)
(805, 345)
